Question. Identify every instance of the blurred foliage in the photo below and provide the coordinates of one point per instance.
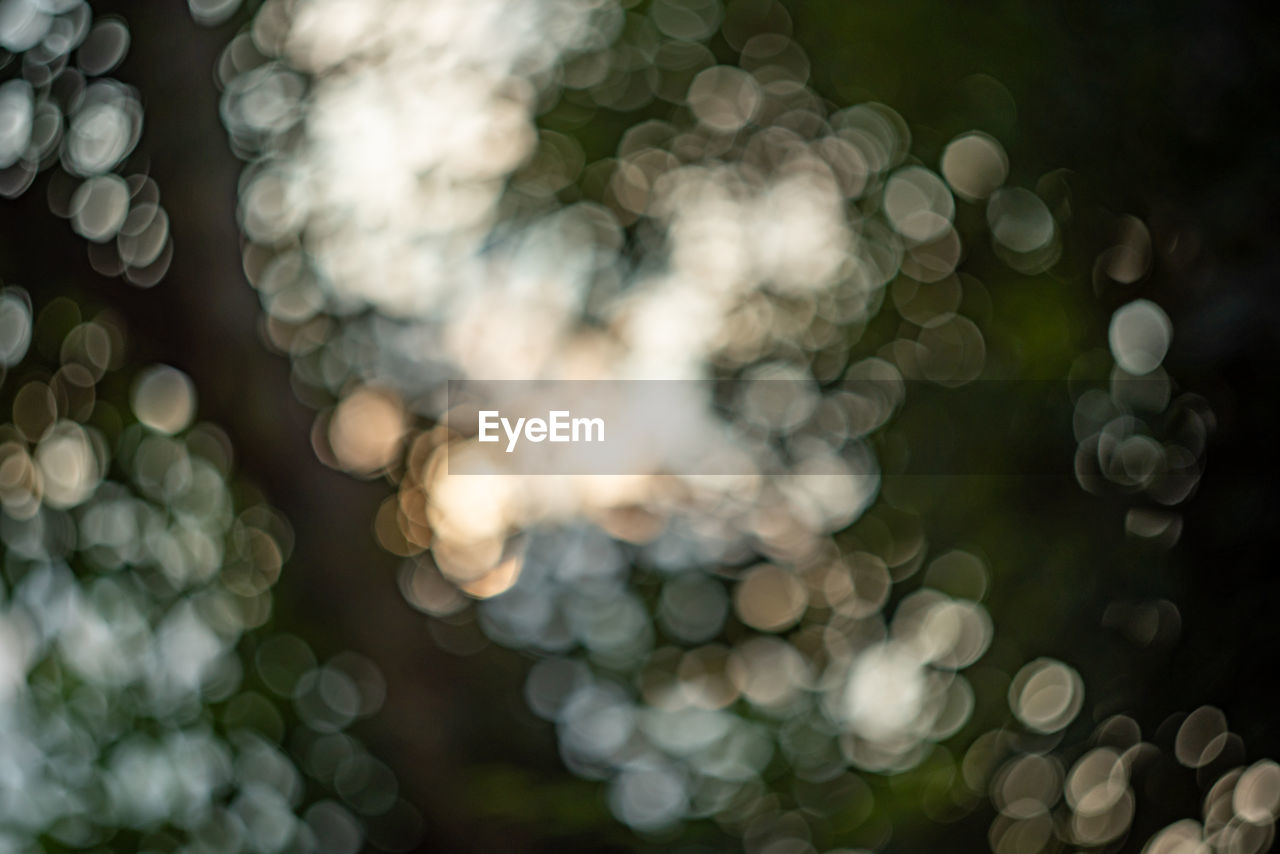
(1104, 110)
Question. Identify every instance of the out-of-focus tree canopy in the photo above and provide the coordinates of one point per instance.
(1030, 241)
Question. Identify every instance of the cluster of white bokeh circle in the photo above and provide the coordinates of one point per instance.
(63, 109)
(132, 594)
(410, 221)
